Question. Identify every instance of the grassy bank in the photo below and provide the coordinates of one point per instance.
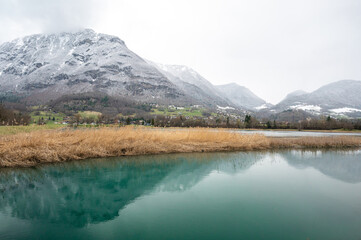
(44, 146)
(11, 130)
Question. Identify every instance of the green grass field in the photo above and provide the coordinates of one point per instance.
(94, 116)
(47, 117)
(178, 112)
(10, 130)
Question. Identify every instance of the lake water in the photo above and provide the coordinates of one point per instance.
(253, 195)
(299, 133)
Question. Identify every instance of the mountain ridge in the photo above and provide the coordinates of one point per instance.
(43, 67)
(192, 82)
(340, 98)
(242, 96)
(66, 63)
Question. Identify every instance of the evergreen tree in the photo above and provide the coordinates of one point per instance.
(274, 124)
(248, 120)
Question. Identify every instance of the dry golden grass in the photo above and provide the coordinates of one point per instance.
(316, 142)
(29, 149)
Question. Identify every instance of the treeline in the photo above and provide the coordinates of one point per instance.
(329, 123)
(248, 122)
(213, 122)
(11, 117)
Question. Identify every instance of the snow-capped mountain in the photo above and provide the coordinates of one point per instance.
(243, 97)
(295, 94)
(341, 98)
(194, 84)
(44, 67)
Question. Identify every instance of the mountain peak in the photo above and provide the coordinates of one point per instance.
(241, 96)
(231, 84)
(296, 93)
(192, 83)
(83, 36)
(44, 67)
(335, 97)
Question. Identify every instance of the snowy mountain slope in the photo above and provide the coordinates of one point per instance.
(193, 84)
(294, 95)
(242, 97)
(44, 67)
(40, 68)
(341, 98)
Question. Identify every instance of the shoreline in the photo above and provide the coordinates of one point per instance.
(302, 130)
(62, 145)
(11, 130)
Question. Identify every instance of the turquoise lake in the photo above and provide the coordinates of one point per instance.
(242, 195)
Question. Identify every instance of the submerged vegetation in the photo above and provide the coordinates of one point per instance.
(45, 146)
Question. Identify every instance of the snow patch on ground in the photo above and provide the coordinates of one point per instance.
(225, 108)
(345, 110)
(162, 66)
(311, 108)
(20, 42)
(263, 106)
(71, 51)
(24, 69)
(51, 48)
(61, 66)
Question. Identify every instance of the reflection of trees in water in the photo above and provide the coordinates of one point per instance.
(341, 165)
(198, 166)
(79, 193)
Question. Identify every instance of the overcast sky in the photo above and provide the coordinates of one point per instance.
(271, 47)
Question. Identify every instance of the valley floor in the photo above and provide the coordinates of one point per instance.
(27, 149)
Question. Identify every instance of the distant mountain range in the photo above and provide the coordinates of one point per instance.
(342, 98)
(242, 97)
(192, 83)
(42, 68)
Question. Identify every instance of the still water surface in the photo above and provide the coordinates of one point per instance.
(271, 133)
(256, 195)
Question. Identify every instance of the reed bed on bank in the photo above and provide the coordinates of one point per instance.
(316, 142)
(29, 149)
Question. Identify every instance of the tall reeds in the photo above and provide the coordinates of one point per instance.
(29, 149)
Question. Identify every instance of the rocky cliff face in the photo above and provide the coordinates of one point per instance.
(45, 67)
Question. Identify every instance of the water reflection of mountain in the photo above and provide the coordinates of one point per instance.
(187, 175)
(341, 165)
(94, 191)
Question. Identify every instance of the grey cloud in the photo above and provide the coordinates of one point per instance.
(272, 47)
(22, 16)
